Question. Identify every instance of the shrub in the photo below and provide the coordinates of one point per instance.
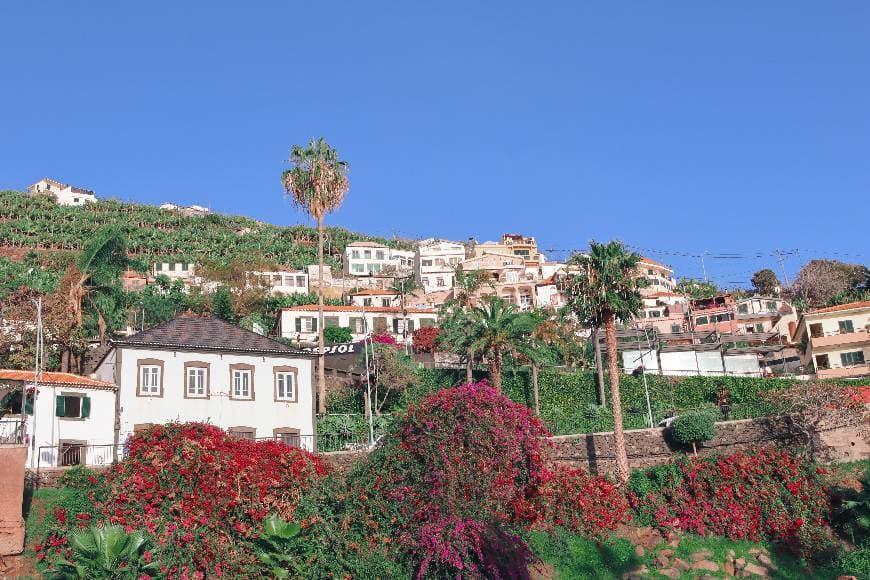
(107, 552)
(693, 428)
(856, 563)
(200, 493)
(81, 477)
(424, 339)
(337, 334)
(765, 495)
(459, 472)
(852, 514)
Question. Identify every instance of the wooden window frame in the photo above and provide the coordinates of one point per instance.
(67, 395)
(243, 429)
(278, 431)
(242, 367)
(196, 364)
(286, 370)
(148, 362)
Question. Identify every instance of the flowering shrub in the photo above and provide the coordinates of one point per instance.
(765, 495)
(199, 493)
(578, 502)
(384, 339)
(424, 339)
(453, 481)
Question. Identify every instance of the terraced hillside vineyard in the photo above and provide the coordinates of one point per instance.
(28, 222)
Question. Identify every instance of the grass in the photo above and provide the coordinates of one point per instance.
(37, 506)
(573, 557)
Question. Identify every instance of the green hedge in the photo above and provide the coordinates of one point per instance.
(569, 399)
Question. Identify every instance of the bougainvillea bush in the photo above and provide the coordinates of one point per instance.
(768, 495)
(199, 494)
(466, 472)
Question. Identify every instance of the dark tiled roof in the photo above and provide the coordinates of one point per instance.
(205, 333)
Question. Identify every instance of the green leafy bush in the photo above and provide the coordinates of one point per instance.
(856, 563)
(81, 477)
(337, 334)
(276, 547)
(693, 428)
(106, 552)
(852, 514)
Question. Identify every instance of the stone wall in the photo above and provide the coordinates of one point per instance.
(648, 447)
(12, 458)
(49, 476)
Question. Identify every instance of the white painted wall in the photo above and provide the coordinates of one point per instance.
(263, 412)
(685, 363)
(745, 365)
(353, 320)
(49, 430)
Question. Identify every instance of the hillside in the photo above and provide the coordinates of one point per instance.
(39, 223)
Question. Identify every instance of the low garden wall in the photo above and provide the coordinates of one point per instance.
(49, 476)
(12, 459)
(647, 447)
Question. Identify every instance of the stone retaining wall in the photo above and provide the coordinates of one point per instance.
(49, 476)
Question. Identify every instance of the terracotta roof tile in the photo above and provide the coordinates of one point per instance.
(839, 307)
(55, 379)
(374, 292)
(206, 333)
(654, 263)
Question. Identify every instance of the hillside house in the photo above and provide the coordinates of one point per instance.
(282, 281)
(64, 194)
(370, 258)
(836, 340)
(300, 323)
(434, 264)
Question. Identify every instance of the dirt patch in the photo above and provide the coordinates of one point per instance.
(647, 538)
(20, 566)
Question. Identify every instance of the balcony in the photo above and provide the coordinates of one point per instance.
(829, 339)
(844, 372)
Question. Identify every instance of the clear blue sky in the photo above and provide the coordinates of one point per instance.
(728, 127)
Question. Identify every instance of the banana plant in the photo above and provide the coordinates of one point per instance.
(276, 547)
(106, 552)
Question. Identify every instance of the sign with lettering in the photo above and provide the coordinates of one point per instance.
(338, 349)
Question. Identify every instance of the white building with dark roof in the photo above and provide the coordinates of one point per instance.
(205, 369)
(65, 194)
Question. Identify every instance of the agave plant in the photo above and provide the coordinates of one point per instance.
(276, 547)
(107, 552)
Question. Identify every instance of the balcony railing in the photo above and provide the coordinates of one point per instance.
(11, 431)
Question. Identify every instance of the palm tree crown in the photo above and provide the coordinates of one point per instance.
(498, 329)
(317, 182)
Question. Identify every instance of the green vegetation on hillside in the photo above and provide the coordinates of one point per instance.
(38, 222)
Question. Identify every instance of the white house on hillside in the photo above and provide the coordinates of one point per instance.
(300, 322)
(283, 281)
(204, 369)
(64, 194)
(435, 262)
(69, 422)
(369, 258)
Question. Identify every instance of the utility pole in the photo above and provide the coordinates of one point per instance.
(780, 257)
(703, 268)
(37, 374)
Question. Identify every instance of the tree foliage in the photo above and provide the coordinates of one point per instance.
(820, 281)
(697, 288)
(765, 282)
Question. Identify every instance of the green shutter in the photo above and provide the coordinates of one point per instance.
(28, 405)
(314, 322)
(86, 407)
(60, 406)
(298, 324)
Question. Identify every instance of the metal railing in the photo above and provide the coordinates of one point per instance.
(11, 431)
(70, 454)
(305, 442)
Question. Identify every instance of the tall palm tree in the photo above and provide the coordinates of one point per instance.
(465, 288)
(546, 334)
(317, 183)
(498, 330)
(603, 291)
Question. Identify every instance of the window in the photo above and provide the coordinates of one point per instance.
(150, 378)
(306, 324)
(427, 322)
(367, 301)
(822, 362)
(357, 325)
(358, 268)
(385, 302)
(75, 200)
(172, 267)
(72, 406)
(367, 254)
(425, 281)
(427, 262)
(440, 282)
(241, 381)
(243, 432)
(676, 328)
(330, 321)
(158, 267)
(846, 326)
(655, 314)
(759, 327)
(701, 320)
(288, 281)
(300, 281)
(184, 268)
(816, 330)
(72, 453)
(276, 279)
(285, 384)
(288, 435)
(196, 380)
(354, 255)
(852, 358)
(743, 309)
(379, 255)
(770, 305)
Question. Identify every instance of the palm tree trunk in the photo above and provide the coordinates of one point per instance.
(535, 396)
(469, 363)
(321, 361)
(615, 400)
(495, 370)
(599, 366)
